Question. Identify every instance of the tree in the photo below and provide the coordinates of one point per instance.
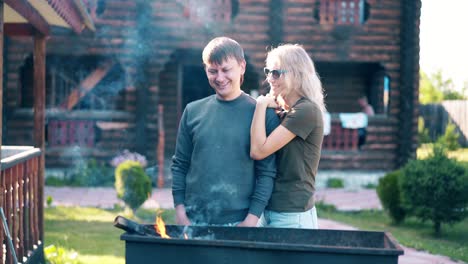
(428, 92)
(435, 88)
(435, 189)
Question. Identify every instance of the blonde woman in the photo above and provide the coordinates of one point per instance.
(297, 141)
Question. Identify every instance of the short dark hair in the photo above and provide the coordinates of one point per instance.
(221, 48)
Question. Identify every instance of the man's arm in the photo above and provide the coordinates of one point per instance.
(265, 173)
(179, 168)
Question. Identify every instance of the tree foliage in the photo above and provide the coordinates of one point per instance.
(435, 88)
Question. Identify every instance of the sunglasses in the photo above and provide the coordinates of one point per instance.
(274, 73)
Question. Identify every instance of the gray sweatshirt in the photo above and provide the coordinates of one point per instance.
(213, 174)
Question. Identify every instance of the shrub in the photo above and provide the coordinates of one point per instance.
(369, 185)
(59, 255)
(133, 185)
(423, 132)
(388, 191)
(435, 189)
(450, 138)
(335, 183)
(55, 181)
(49, 200)
(91, 173)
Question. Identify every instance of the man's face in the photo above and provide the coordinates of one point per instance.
(225, 78)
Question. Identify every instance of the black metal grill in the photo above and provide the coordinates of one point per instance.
(212, 244)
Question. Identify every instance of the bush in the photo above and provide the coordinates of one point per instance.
(388, 191)
(435, 189)
(423, 132)
(369, 185)
(91, 173)
(59, 255)
(133, 185)
(335, 183)
(450, 138)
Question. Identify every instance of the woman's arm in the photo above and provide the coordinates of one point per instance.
(262, 146)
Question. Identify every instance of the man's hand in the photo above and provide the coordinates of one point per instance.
(250, 221)
(181, 216)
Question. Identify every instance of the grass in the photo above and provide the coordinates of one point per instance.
(90, 231)
(425, 150)
(411, 233)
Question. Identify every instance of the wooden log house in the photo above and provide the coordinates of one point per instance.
(104, 89)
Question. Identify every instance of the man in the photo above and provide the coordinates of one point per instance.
(367, 109)
(215, 182)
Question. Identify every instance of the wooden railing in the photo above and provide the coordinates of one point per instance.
(20, 201)
(71, 133)
(340, 138)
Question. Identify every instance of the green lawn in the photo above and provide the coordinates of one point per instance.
(412, 233)
(90, 232)
(460, 154)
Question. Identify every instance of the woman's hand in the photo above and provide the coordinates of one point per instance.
(268, 100)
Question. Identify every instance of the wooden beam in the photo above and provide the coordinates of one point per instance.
(86, 85)
(26, 10)
(275, 31)
(18, 29)
(1, 86)
(39, 118)
(68, 11)
(409, 80)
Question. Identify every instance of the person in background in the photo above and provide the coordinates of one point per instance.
(215, 182)
(297, 141)
(367, 109)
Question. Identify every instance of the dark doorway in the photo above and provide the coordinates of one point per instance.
(194, 84)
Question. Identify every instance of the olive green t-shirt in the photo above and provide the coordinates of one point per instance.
(297, 161)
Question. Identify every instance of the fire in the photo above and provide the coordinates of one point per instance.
(185, 236)
(160, 227)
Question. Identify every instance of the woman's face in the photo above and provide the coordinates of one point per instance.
(275, 78)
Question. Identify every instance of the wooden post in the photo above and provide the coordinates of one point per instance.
(276, 22)
(2, 185)
(409, 80)
(1, 79)
(39, 120)
(160, 151)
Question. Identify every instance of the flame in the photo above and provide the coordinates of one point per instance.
(185, 236)
(160, 227)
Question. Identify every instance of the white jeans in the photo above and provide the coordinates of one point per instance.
(307, 219)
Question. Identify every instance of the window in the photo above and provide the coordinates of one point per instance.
(210, 11)
(342, 12)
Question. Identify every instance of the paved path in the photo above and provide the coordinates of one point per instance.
(162, 198)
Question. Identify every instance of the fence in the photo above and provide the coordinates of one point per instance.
(437, 116)
(19, 187)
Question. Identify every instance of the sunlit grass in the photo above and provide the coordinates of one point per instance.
(411, 233)
(425, 150)
(90, 231)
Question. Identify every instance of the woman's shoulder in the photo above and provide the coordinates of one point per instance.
(307, 104)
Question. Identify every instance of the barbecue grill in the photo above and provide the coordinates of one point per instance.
(215, 244)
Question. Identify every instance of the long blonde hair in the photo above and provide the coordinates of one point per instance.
(300, 72)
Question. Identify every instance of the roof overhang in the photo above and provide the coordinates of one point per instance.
(19, 15)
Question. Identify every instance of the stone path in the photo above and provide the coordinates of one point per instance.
(347, 200)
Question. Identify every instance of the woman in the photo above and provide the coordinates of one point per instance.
(296, 89)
